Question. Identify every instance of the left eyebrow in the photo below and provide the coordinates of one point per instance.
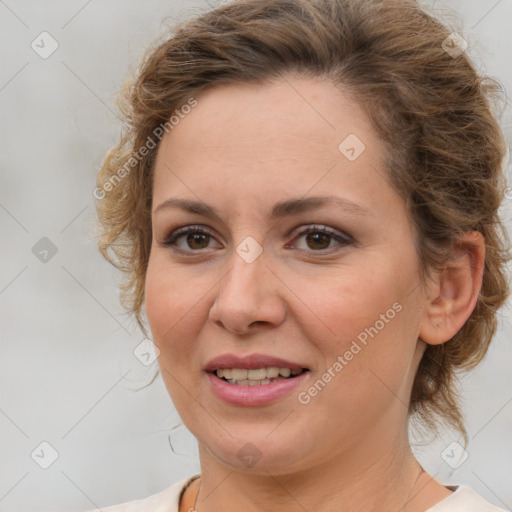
(300, 205)
(282, 209)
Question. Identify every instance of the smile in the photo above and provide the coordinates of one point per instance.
(256, 376)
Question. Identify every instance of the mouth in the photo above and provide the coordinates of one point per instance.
(257, 376)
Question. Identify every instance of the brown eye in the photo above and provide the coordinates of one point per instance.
(199, 239)
(190, 238)
(320, 239)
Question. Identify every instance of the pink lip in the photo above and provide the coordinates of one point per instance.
(249, 362)
(261, 394)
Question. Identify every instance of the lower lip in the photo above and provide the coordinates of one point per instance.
(261, 394)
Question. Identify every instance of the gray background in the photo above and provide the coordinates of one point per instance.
(68, 374)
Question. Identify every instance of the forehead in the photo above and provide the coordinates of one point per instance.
(312, 109)
(286, 134)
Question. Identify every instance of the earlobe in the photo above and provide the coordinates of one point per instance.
(453, 292)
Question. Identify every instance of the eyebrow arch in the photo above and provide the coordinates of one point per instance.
(282, 209)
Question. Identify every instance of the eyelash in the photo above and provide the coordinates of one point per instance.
(175, 235)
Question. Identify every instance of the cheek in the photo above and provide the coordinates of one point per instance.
(346, 303)
(172, 307)
(366, 318)
(173, 311)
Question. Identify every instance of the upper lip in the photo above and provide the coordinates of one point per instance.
(250, 362)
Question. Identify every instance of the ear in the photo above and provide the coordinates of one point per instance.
(453, 292)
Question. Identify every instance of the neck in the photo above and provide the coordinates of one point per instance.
(370, 477)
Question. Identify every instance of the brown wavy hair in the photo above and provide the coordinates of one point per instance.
(433, 111)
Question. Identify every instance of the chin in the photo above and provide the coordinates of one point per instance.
(260, 453)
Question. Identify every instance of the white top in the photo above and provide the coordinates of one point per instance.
(463, 499)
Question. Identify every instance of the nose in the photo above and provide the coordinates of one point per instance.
(248, 297)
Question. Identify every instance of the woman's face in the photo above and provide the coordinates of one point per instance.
(252, 289)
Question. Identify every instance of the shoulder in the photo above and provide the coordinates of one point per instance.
(464, 499)
(164, 501)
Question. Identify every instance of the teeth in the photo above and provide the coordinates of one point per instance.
(239, 374)
(272, 372)
(285, 372)
(252, 382)
(255, 375)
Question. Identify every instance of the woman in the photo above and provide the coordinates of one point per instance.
(305, 207)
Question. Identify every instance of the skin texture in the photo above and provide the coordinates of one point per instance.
(241, 150)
